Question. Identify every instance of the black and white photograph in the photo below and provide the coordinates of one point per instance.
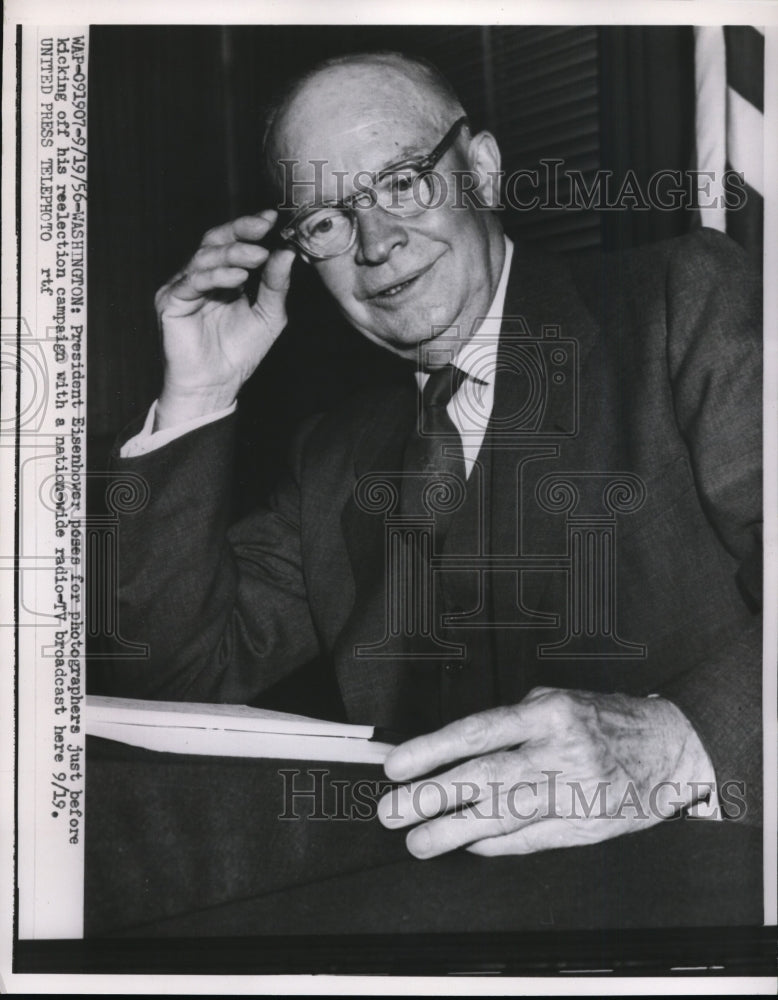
(387, 425)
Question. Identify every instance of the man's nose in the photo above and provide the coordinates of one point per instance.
(378, 233)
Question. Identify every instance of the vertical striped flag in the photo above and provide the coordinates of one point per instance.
(729, 79)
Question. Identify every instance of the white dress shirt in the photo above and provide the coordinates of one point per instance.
(471, 406)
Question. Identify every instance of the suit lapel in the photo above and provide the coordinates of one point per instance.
(534, 416)
(378, 453)
(369, 687)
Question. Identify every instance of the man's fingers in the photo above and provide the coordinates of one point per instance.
(477, 734)
(246, 227)
(219, 268)
(194, 286)
(226, 256)
(548, 834)
(248, 255)
(535, 837)
(447, 833)
(482, 780)
(494, 817)
(498, 816)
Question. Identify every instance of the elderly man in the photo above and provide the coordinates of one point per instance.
(590, 659)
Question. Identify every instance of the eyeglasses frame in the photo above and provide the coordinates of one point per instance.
(423, 167)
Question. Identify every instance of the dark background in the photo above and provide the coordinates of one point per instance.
(175, 116)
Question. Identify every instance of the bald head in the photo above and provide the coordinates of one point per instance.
(357, 92)
(411, 270)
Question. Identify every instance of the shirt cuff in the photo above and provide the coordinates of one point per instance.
(706, 808)
(149, 440)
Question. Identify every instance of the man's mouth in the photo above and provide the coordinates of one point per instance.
(389, 292)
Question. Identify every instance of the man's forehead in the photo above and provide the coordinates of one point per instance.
(356, 118)
(362, 142)
(354, 105)
(330, 163)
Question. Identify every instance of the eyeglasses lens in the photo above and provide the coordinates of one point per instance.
(325, 232)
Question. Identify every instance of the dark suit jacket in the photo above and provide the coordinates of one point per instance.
(665, 393)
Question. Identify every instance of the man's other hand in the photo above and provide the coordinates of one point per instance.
(213, 339)
(561, 768)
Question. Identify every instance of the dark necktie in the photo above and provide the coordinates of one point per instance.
(433, 452)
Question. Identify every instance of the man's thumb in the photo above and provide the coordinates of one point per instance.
(274, 283)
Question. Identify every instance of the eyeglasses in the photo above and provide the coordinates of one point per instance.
(405, 189)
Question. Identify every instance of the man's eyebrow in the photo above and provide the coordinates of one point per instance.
(403, 154)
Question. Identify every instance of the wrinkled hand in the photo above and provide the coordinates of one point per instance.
(213, 339)
(559, 769)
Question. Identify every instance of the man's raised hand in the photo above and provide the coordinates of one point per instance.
(213, 339)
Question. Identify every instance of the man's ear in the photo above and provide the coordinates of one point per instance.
(485, 160)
